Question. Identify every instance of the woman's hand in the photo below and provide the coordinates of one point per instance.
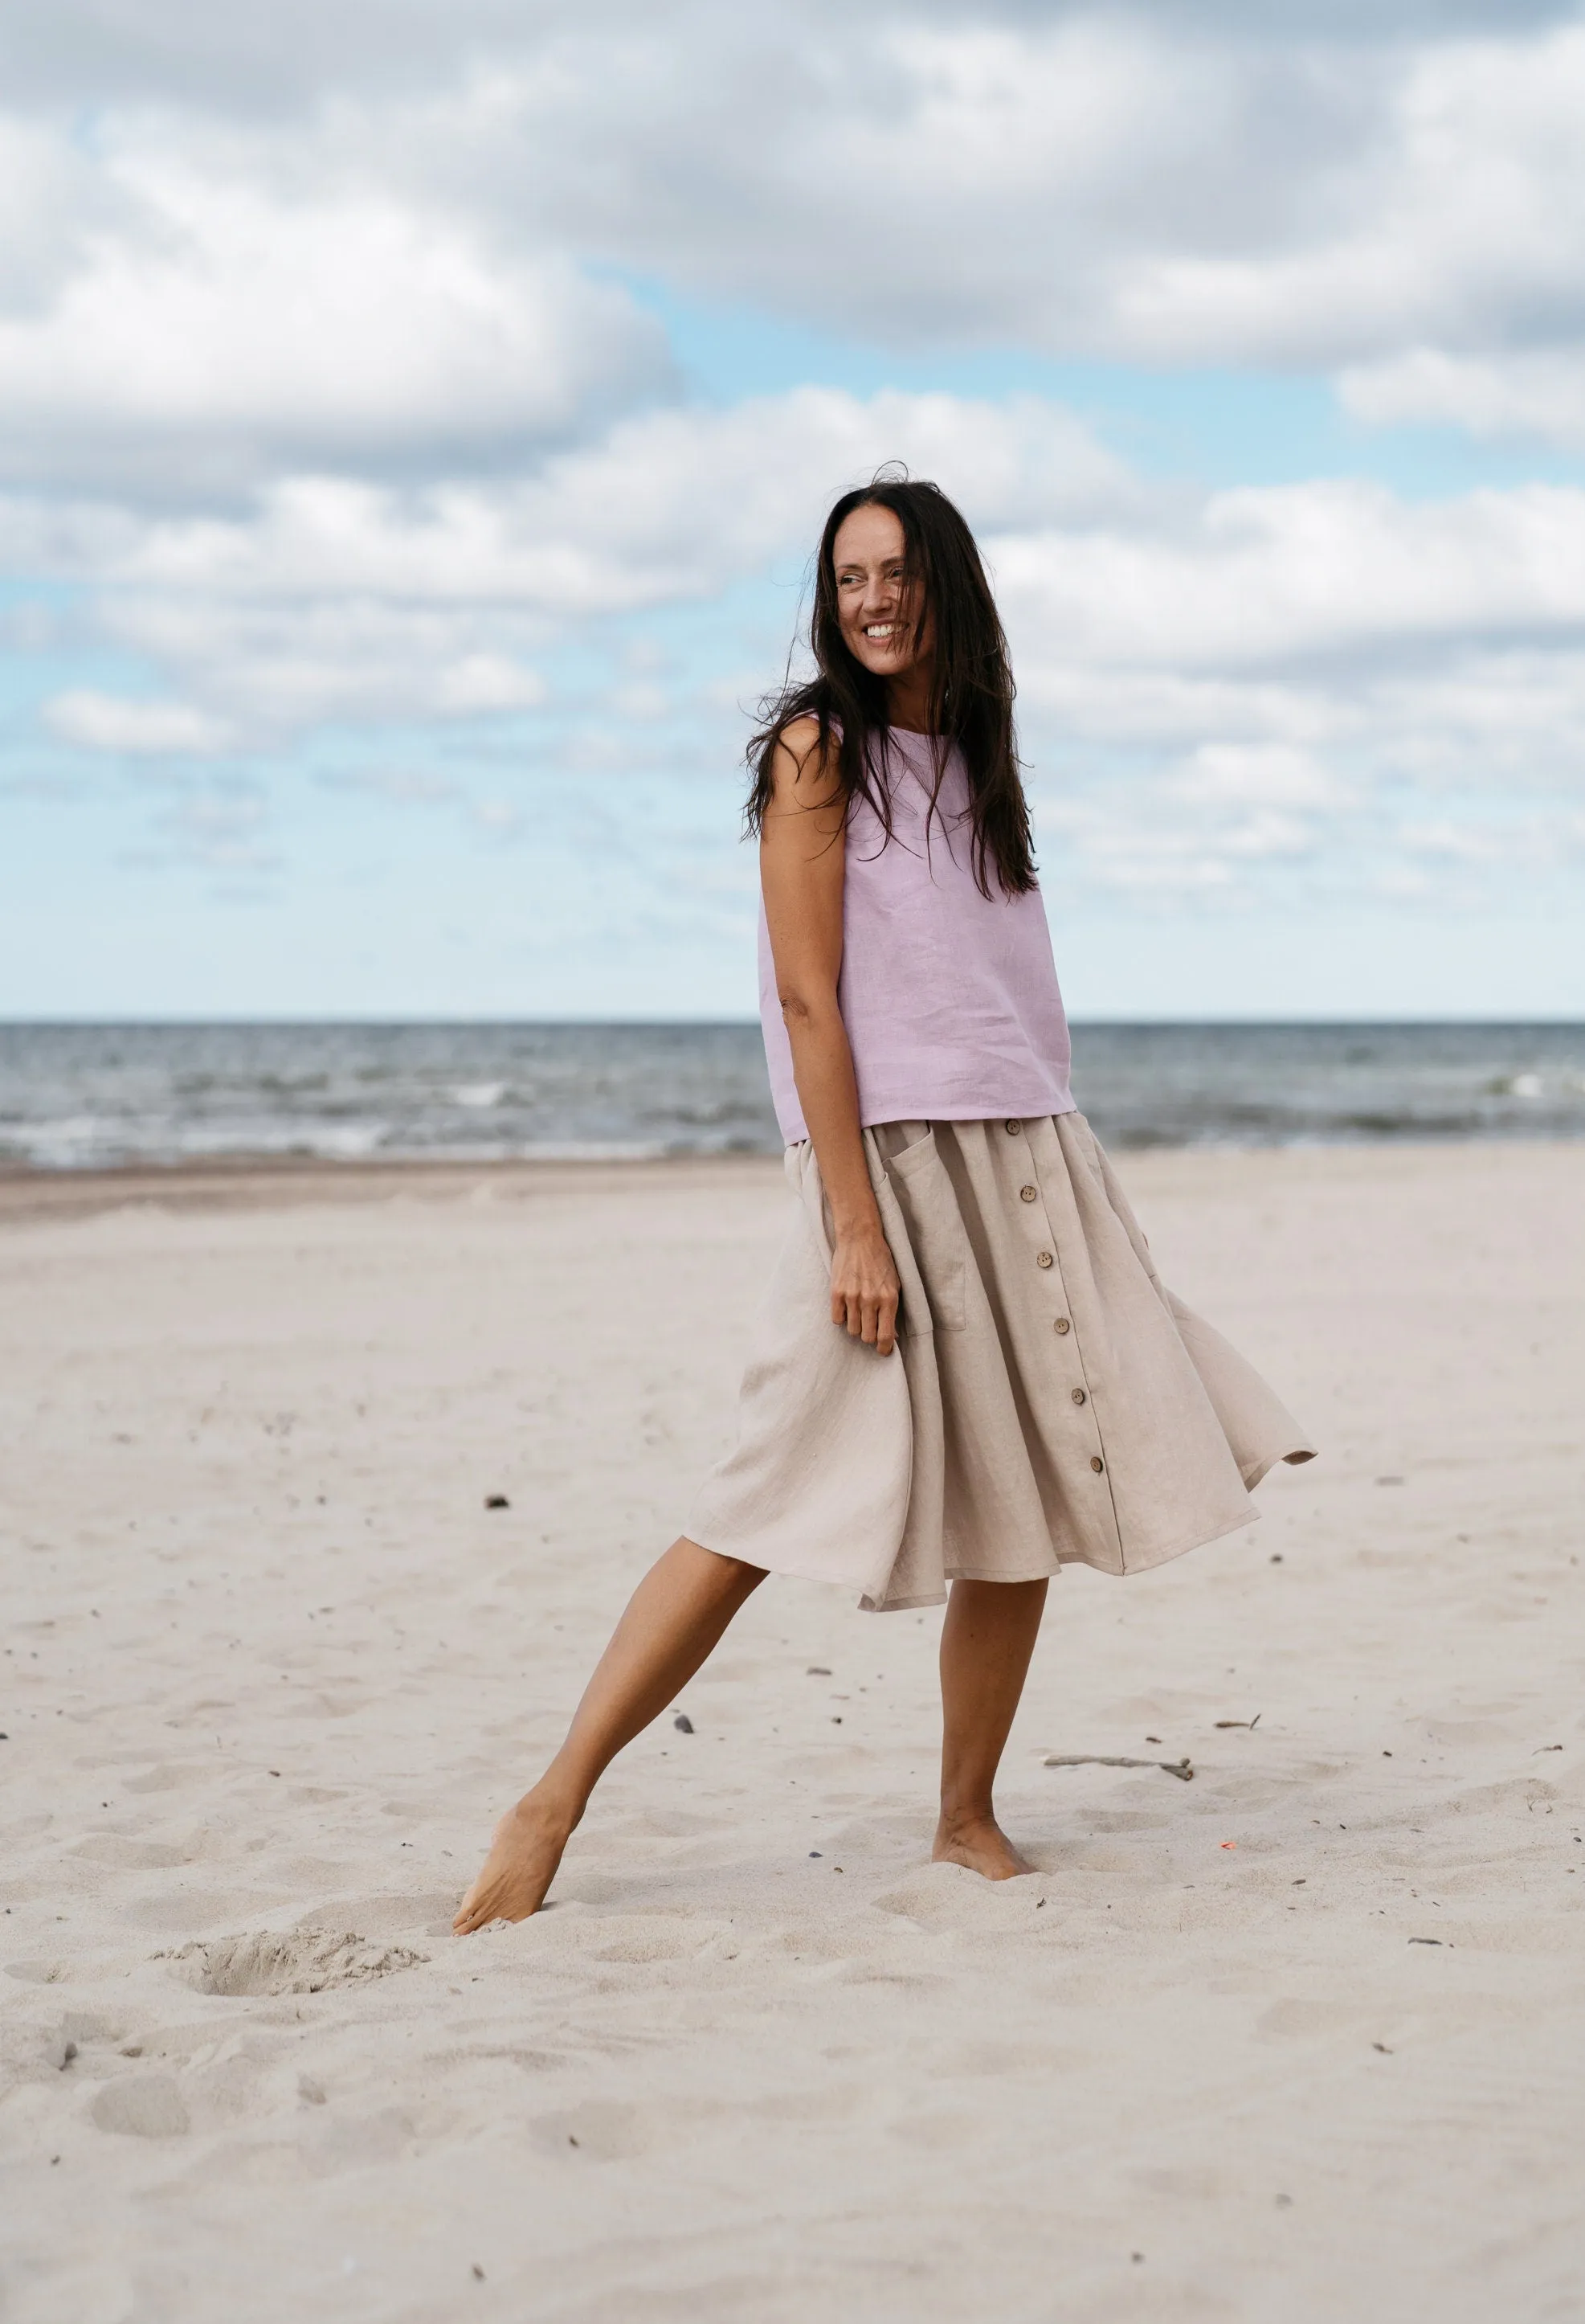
(864, 1288)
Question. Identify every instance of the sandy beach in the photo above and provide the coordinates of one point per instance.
(1298, 2039)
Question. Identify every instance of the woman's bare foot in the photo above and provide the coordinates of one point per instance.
(524, 1852)
(981, 1845)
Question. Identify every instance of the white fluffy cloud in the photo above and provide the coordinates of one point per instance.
(326, 399)
(402, 265)
(678, 503)
(131, 726)
(328, 597)
(185, 325)
(1536, 394)
(1132, 184)
(1268, 579)
(1215, 691)
(1101, 582)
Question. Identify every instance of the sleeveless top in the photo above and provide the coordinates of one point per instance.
(950, 998)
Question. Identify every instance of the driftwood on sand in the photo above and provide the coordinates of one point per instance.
(1181, 1769)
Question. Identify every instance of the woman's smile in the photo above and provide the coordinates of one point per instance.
(875, 594)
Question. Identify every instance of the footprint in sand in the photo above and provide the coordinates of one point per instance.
(39, 1972)
(130, 1855)
(165, 1778)
(305, 1960)
(143, 2106)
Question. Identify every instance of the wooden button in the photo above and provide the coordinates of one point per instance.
(1028, 1193)
(1043, 1259)
(1062, 1325)
(1096, 1462)
(1013, 1128)
(1078, 1396)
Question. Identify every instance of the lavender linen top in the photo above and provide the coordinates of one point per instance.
(950, 998)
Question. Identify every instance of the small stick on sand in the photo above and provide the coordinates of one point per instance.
(1178, 1767)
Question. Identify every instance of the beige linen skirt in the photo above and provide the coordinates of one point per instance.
(1050, 1401)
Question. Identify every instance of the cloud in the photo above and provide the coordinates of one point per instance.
(401, 786)
(1276, 578)
(1140, 184)
(477, 682)
(271, 668)
(1252, 693)
(410, 271)
(1540, 394)
(1216, 691)
(75, 53)
(326, 404)
(335, 598)
(215, 319)
(1259, 775)
(217, 828)
(108, 722)
(674, 504)
(220, 830)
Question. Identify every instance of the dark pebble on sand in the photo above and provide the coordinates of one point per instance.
(683, 1723)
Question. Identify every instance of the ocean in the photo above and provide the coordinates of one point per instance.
(79, 1097)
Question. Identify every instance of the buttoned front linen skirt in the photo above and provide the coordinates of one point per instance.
(1050, 1402)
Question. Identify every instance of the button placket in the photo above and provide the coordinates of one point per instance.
(1047, 1260)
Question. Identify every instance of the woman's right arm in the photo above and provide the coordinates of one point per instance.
(802, 863)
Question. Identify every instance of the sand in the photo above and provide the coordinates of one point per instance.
(1299, 2039)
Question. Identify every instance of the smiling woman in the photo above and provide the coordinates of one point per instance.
(906, 634)
(968, 1371)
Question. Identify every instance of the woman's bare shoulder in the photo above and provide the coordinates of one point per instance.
(801, 737)
(805, 775)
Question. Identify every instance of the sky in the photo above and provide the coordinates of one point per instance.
(416, 418)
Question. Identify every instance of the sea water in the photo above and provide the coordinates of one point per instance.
(93, 1096)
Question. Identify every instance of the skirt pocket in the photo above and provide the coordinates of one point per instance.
(936, 1235)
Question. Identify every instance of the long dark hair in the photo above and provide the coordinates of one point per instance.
(972, 700)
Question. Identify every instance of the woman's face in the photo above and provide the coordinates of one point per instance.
(879, 622)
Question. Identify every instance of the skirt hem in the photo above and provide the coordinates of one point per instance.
(1195, 1538)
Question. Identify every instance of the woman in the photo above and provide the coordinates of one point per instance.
(968, 1370)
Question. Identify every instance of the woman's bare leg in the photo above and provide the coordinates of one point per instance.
(986, 1642)
(673, 1620)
